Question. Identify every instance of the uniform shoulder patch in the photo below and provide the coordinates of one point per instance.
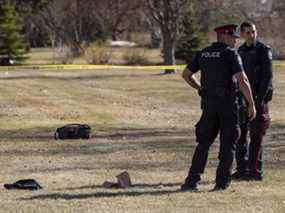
(266, 49)
(265, 46)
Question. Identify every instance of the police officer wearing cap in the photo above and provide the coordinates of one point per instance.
(257, 61)
(221, 73)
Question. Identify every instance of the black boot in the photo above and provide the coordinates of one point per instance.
(220, 187)
(238, 175)
(253, 177)
(186, 187)
(189, 186)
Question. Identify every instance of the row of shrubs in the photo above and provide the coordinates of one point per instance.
(98, 53)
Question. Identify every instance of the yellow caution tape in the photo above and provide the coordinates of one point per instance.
(88, 67)
(97, 67)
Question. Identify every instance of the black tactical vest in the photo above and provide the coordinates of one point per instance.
(216, 69)
(255, 58)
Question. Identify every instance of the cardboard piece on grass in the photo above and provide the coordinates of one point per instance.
(109, 185)
(124, 180)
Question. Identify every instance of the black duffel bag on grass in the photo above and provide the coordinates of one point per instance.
(73, 131)
(26, 184)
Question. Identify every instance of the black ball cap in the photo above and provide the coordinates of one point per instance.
(230, 29)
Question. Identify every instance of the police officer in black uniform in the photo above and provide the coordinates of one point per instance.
(257, 61)
(221, 72)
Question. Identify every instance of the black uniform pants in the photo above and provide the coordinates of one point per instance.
(217, 116)
(249, 156)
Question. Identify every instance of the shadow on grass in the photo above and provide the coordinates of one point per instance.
(65, 196)
(276, 126)
(67, 77)
(99, 132)
(136, 185)
(40, 134)
(128, 139)
(106, 140)
(276, 132)
(112, 194)
(140, 133)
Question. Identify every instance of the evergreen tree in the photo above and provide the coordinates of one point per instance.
(191, 38)
(12, 44)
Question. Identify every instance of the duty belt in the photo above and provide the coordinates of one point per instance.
(217, 92)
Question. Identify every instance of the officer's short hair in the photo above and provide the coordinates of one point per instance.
(246, 24)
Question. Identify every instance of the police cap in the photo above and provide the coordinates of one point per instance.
(230, 29)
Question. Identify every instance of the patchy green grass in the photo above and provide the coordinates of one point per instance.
(142, 122)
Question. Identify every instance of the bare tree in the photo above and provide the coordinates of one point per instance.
(73, 21)
(167, 13)
(64, 21)
(114, 15)
(268, 15)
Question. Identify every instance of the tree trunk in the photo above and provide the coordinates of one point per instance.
(168, 52)
(114, 35)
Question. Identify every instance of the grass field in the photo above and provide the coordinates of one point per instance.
(56, 56)
(142, 122)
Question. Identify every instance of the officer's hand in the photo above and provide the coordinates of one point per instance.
(200, 92)
(251, 112)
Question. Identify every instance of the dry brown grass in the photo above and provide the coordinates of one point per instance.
(142, 122)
